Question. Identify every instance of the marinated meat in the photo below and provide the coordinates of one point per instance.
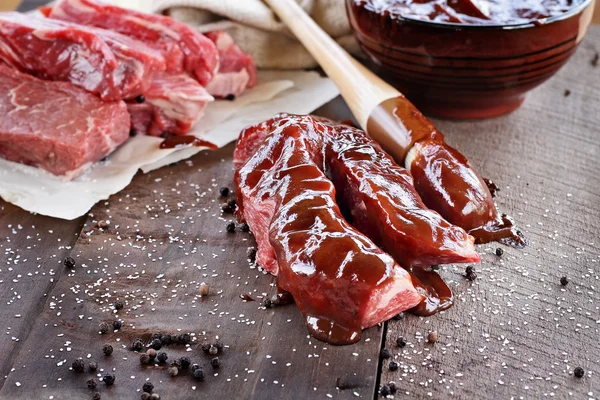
(55, 125)
(102, 62)
(173, 103)
(340, 280)
(184, 49)
(237, 71)
(377, 194)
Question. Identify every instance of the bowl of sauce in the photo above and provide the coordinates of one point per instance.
(466, 59)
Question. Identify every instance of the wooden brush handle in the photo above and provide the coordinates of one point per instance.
(361, 88)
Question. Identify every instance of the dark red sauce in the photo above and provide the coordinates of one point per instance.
(472, 12)
(437, 296)
(174, 142)
(246, 297)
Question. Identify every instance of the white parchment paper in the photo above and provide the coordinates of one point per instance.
(38, 191)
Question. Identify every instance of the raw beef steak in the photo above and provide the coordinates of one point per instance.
(55, 125)
(102, 62)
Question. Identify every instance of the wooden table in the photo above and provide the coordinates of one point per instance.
(513, 333)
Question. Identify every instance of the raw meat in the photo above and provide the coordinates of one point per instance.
(184, 49)
(102, 62)
(377, 195)
(55, 125)
(237, 71)
(173, 103)
(340, 280)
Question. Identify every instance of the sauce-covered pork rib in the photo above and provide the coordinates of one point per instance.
(340, 280)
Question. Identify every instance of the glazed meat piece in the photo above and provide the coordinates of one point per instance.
(172, 104)
(443, 177)
(377, 195)
(102, 62)
(383, 204)
(340, 280)
(56, 125)
(237, 71)
(184, 49)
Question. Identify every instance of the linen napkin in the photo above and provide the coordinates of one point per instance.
(257, 30)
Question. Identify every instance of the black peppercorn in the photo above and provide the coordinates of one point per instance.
(244, 227)
(213, 351)
(148, 387)
(92, 384)
(472, 276)
(578, 372)
(230, 227)
(162, 357)
(119, 305)
(232, 204)
(69, 262)
(433, 337)
(108, 379)
(386, 353)
(215, 362)
(117, 325)
(435, 267)
(156, 344)
(268, 303)
(166, 340)
(104, 328)
(401, 341)
(219, 345)
(398, 317)
(145, 396)
(140, 99)
(132, 133)
(92, 366)
(230, 97)
(385, 391)
(392, 386)
(137, 345)
(393, 366)
(154, 396)
(469, 269)
(499, 252)
(185, 362)
(199, 374)
(107, 349)
(226, 208)
(224, 191)
(184, 338)
(156, 335)
(194, 367)
(251, 253)
(78, 365)
(96, 396)
(564, 281)
(151, 353)
(173, 371)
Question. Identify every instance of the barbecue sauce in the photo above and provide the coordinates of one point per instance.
(175, 142)
(437, 296)
(471, 12)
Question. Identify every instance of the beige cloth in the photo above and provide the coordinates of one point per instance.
(256, 29)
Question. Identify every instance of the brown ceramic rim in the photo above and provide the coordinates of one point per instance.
(453, 25)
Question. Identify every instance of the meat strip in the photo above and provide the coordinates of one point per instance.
(102, 62)
(184, 49)
(340, 280)
(55, 125)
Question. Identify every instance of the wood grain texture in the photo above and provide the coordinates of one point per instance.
(32, 249)
(516, 332)
(167, 236)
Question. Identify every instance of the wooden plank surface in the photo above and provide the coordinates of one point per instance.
(514, 333)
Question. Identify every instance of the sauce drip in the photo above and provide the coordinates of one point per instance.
(175, 142)
(246, 296)
(493, 188)
(330, 332)
(504, 231)
(437, 295)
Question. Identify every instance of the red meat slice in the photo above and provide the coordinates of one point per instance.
(237, 71)
(102, 62)
(378, 195)
(173, 104)
(340, 280)
(55, 125)
(184, 49)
